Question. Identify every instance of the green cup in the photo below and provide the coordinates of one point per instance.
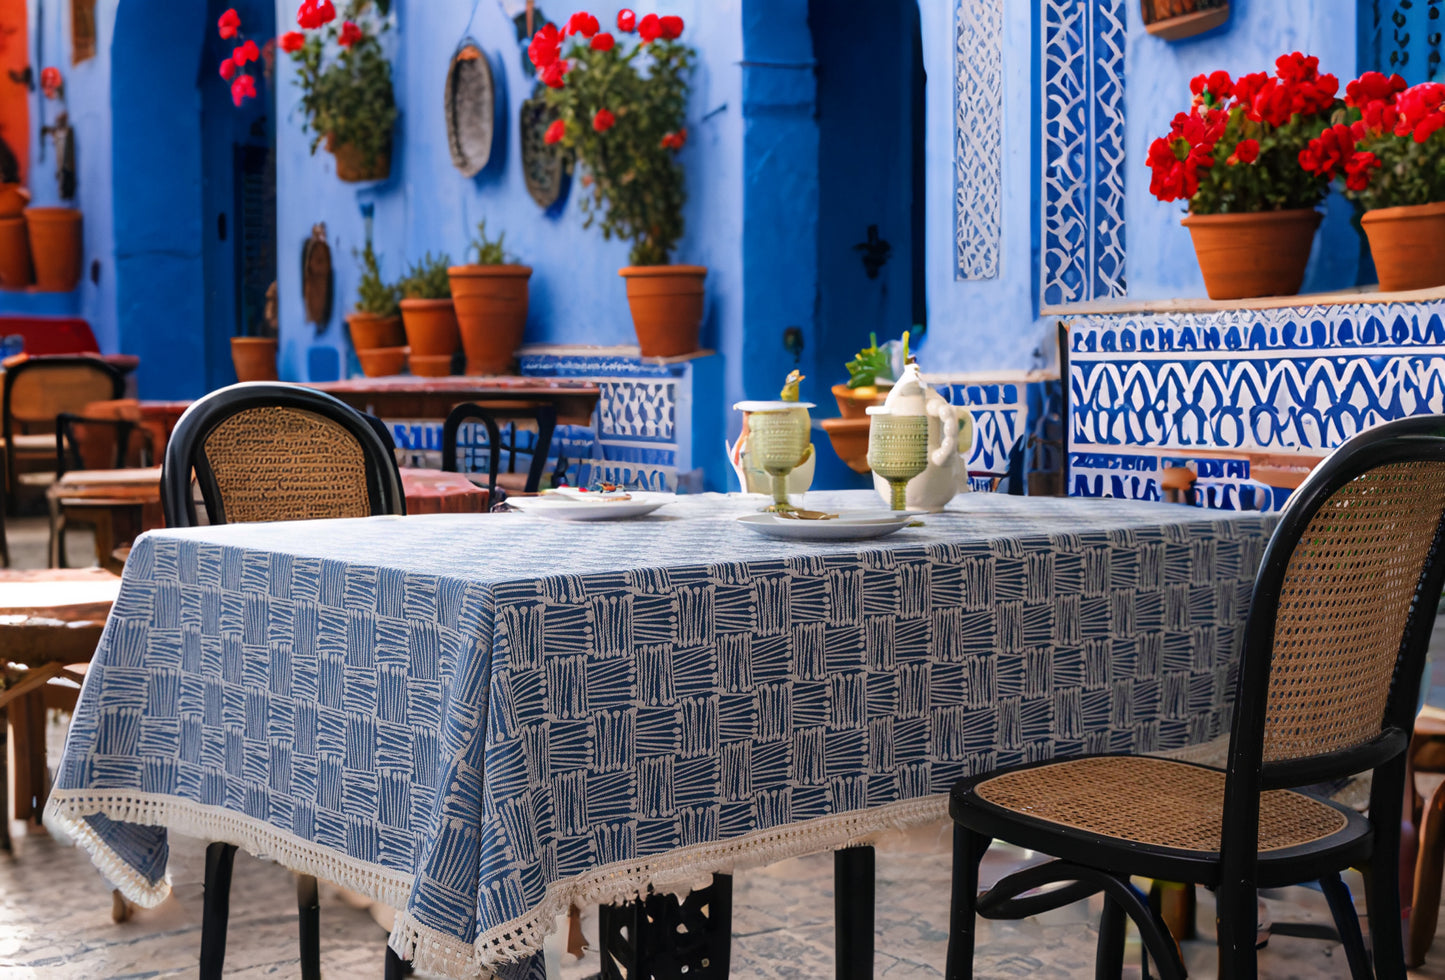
(898, 451)
(778, 443)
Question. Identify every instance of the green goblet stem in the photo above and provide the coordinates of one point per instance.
(899, 489)
(780, 494)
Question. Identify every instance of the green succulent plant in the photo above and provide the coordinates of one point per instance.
(489, 251)
(428, 278)
(375, 295)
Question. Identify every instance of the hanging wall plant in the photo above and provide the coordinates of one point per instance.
(623, 108)
(345, 82)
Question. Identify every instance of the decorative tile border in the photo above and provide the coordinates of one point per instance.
(978, 149)
(1081, 110)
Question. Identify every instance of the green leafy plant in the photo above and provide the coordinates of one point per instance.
(344, 76)
(874, 362)
(373, 294)
(428, 278)
(623, 110)
(489, 251)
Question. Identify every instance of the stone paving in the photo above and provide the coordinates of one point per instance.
(55, 919)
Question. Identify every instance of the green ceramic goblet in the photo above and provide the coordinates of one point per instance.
(898, 451)
(778, 443)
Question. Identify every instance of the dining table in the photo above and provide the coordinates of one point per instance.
(408, 397)
(484, 720)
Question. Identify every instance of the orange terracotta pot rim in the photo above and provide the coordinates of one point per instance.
(490, 271)
(841, 388)
(644, 271)
(248, 341)
(1253, 217)
(1403, 211)
(425, 304)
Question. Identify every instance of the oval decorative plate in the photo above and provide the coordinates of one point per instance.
(546, 169)
(471, 109)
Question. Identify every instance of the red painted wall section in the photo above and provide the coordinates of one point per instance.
(14, 96)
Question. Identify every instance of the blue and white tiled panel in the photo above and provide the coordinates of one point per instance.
(1222, 484)
(1004, 413)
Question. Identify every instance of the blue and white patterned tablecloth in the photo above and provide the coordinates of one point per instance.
(483, 719)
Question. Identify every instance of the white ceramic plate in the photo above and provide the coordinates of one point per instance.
(848, 526)
(569, 507)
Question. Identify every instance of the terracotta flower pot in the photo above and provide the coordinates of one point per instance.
(491, 304)
(853, 406)
(1259, 253)
(666, 302)
(352, 165)
(1408, 244)
(14, 253)
(431, 327)
(13, 198)
(56, 246)
(369, 331)
(849, 436)
(382, 362)
(431, 366)
(254, 357)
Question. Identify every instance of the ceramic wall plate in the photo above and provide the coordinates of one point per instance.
(604, 507)
(848, 526)
(546, 169)
(471, 108)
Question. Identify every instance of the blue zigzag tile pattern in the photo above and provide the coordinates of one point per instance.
(445, 714)
(1262, 381)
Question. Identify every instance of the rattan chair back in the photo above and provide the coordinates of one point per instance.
(39, 388)
(277, 452)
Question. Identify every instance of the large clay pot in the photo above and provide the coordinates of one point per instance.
(1258, 253)
(382, 362)
(852, 405)
(1408, 244)
(352, 165)
(56, 246)
(491, 304)
(14, 253)
(431, 327)
(13, 198)
(369, 331)
(254, 357)
(666, 302)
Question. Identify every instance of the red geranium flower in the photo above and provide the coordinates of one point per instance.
(1247, 151)
(603, 121)
(671, 28)
(350, 34)
(315, 13)
(626, 21)
(649, 28)
(1419, 107)
(1213, 89)
(675, 141)
(603, 42)
(555, 132)
(555, 74)
(1360, 168)
(1327, 153)
(228, 69)
(583, 23)
(229, 24)
(1373, 86)
(242, 88)
(292, 41)
(246, 53)
(51, 82)
(546, 46)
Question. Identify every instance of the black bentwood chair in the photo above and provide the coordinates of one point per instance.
(1334, 648)
(275, 452)
(493, 418)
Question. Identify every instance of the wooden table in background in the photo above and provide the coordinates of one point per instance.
(405, 397)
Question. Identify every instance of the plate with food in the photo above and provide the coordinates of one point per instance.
(579, 504)
(848, 525)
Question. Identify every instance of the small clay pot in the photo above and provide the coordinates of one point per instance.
(14, 253)
(369, 331)
(491, 304)
(431, 327)
(431, 366)
(13, 199)
(352, 165)
(1408, 244)
(56, 247)
(382, 362)
(254, 357)
(849, 436)
(853, 407)
(1257, 253)
(666, 302)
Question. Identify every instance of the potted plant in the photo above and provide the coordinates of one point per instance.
(623, 109)
(14, 239)
(429, 317)
(345, 83)
(253, 351)
(1234, 157)
(55, 234)
(872, 368)
(375, 323)
(491, 304)
(1391, 160)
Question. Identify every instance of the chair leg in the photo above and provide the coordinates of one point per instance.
(1425, 903)
(308, 908)
(396, 967)
(217, 909)
(5, 844)
(1109, 960)
(1237, 919)
(968, 851)
(853, 870)
(1382, 874)
(1348, 924)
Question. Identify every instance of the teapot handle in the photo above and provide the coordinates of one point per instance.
(948, 416)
